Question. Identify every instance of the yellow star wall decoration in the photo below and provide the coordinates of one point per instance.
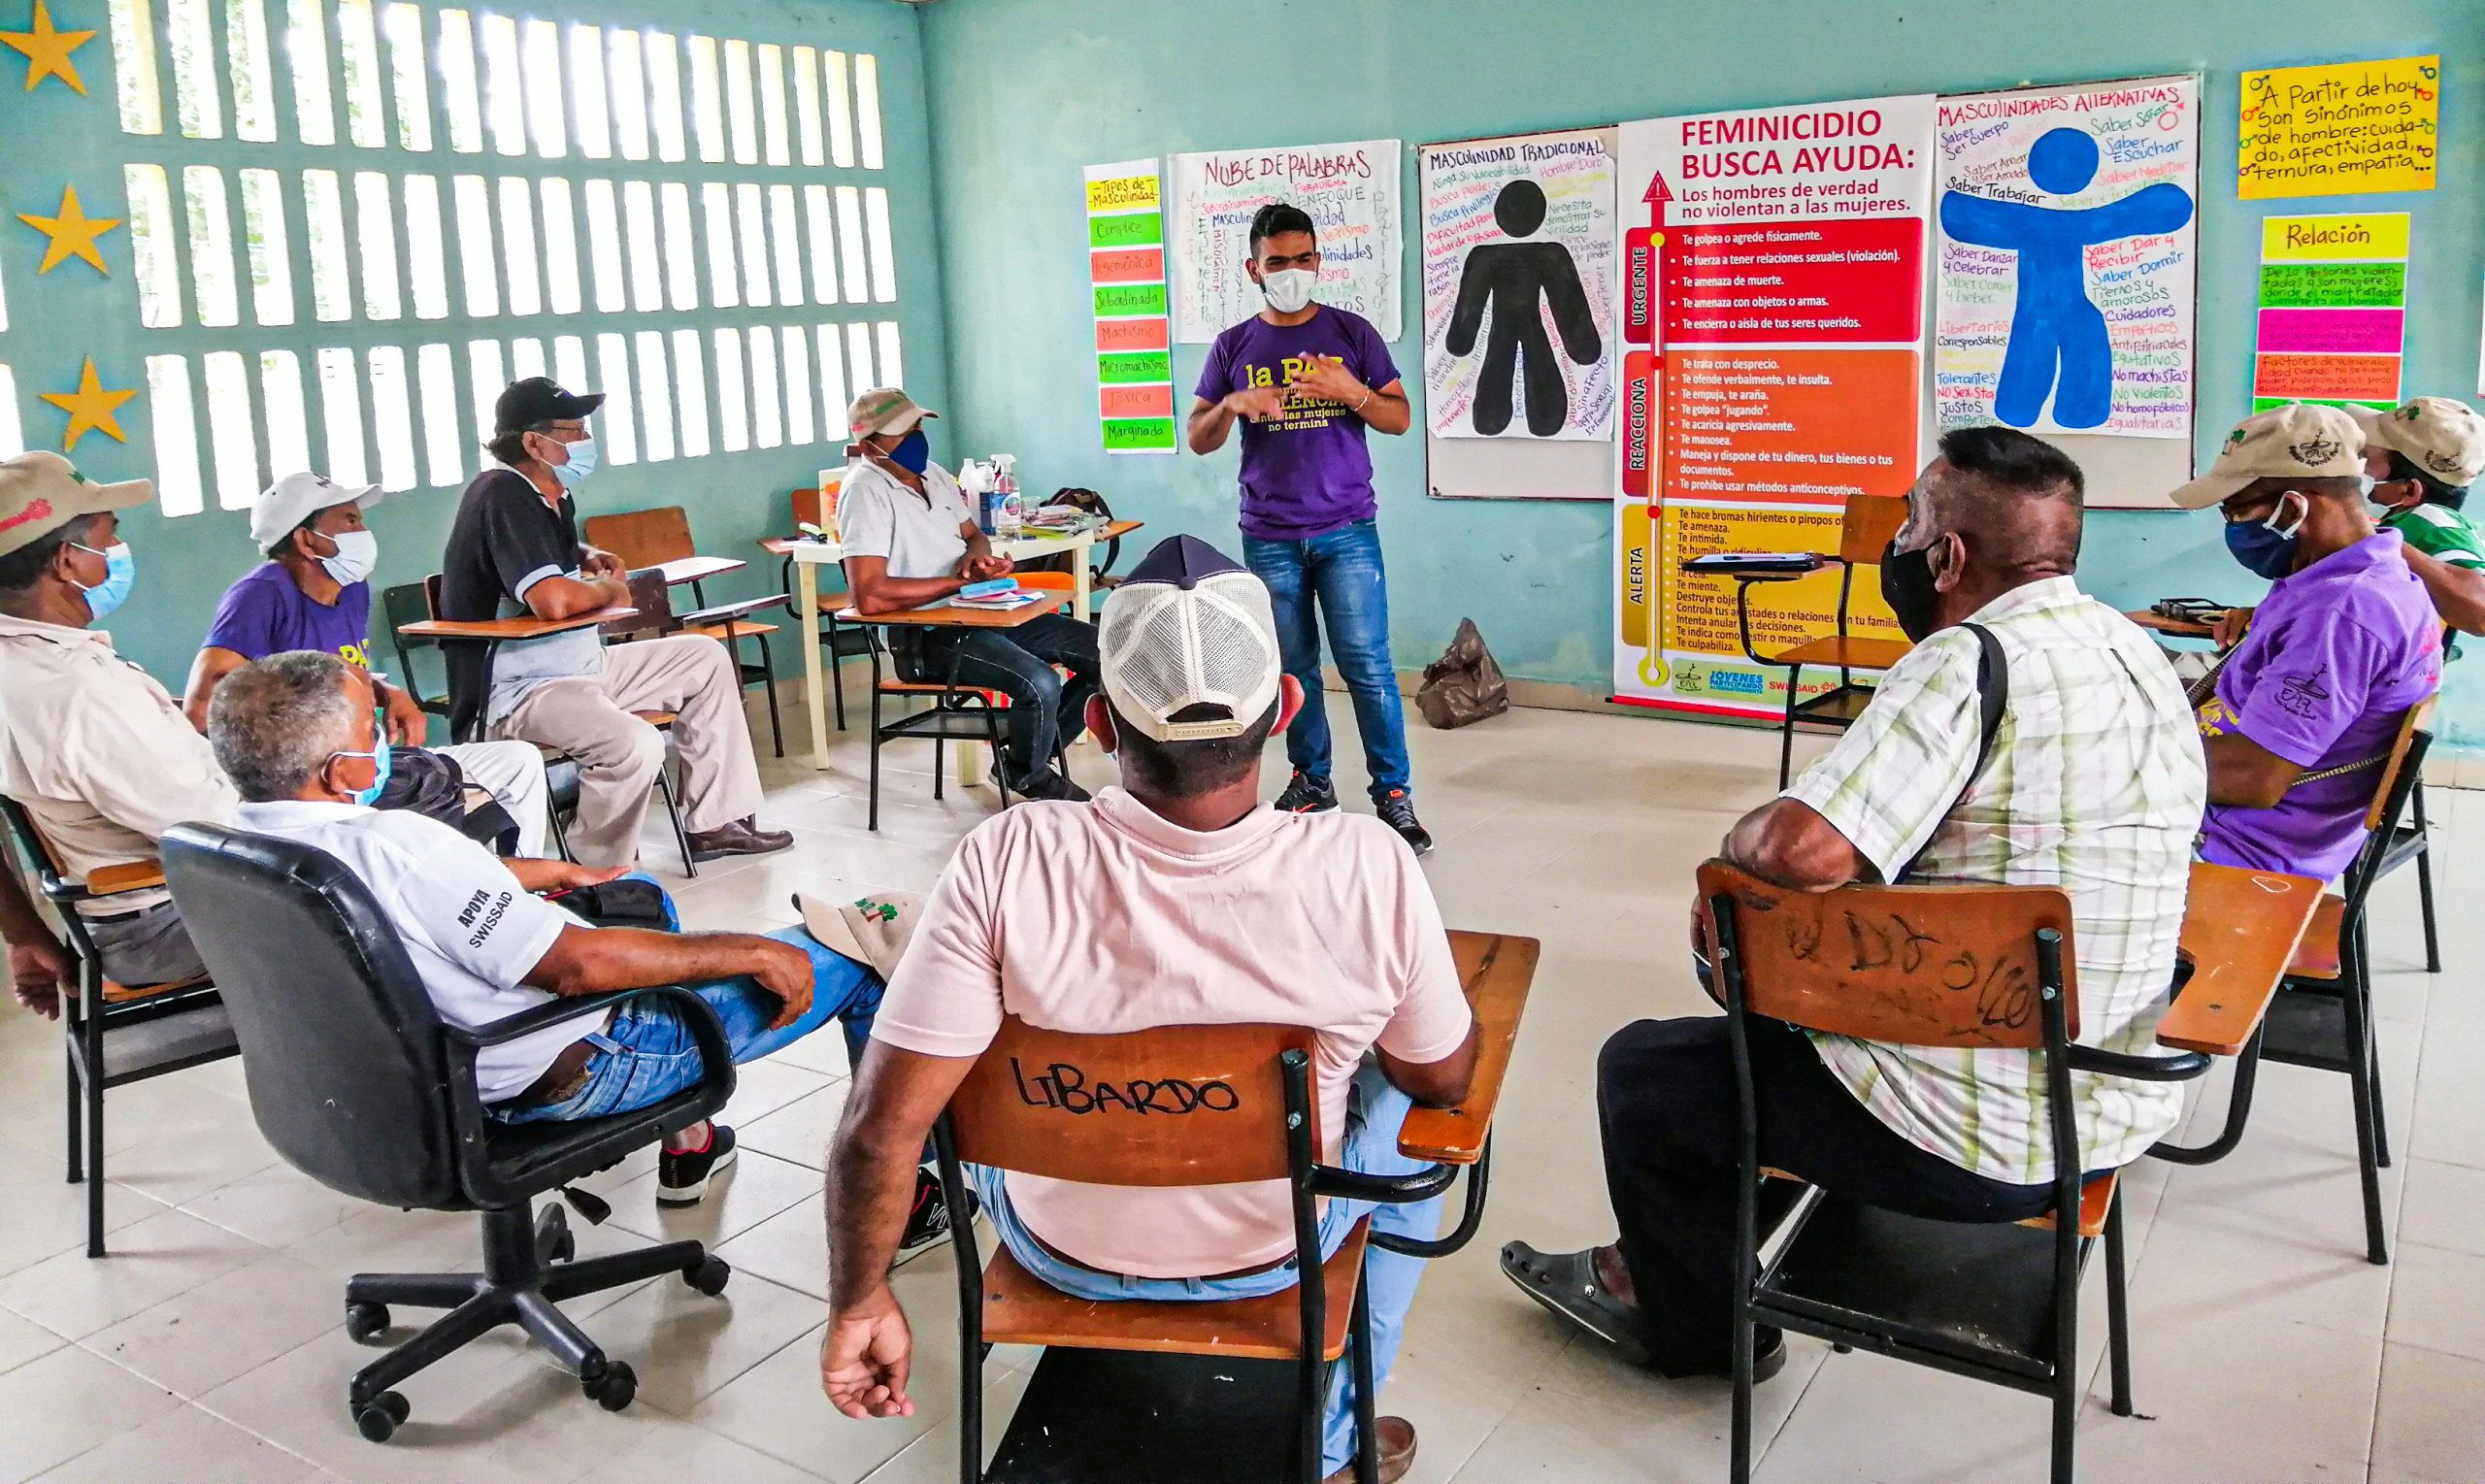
(89, 407)
(48, 51)
(72, 232)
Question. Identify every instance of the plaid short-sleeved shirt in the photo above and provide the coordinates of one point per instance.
(2096, 784)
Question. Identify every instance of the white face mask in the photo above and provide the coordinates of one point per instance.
(357, 554)
(1289, 290)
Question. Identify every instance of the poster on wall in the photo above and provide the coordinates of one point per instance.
(1772, 288)
(1126, 273)
(2066, 252)
(2346, 128)
(1351, 191)
(1518, 242)
(2333, 310)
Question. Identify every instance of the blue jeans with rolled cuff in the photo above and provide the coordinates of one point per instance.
(1340, 573)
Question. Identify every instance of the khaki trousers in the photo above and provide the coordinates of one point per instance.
(589, 719)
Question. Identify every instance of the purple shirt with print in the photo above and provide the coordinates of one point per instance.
(265, 614)
(1305, 472)
(2336, 656)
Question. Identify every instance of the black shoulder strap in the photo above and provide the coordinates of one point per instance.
(1993, 698)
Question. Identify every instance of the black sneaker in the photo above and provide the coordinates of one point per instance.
(1050, 784)
(1307, 794)
(682, 1179)
(1398, 812)
(927, 1225)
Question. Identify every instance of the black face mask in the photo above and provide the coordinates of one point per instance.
(1907, 586)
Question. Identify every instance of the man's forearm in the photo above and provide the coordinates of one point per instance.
(890, 594)
(2458, 593)
(1386, 413)
(636, 958)
(1210, 426)
(870, 1193)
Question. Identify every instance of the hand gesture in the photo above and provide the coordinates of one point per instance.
(785, 971)
(407, 726)
(864, 1357)
(2228, 630)
(1256, 404)
(983, 569)
(1329, 378)
(596, 562)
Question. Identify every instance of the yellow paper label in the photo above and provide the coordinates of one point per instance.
(2347, 127)
(2369, 237)
(1129, 194)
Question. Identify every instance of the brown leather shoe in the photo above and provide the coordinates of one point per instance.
(1397, 1452)
(742, 837)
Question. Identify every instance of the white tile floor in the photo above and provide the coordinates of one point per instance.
(210, 1347)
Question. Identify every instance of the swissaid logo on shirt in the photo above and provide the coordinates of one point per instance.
(488, 907)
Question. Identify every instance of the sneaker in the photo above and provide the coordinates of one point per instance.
(1398, 812)
(682, 1179)
(1307, 794)
(1050, 784)
(927, 1225)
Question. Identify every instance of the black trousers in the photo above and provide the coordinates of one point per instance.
(1044, 712)
(1666, 1109)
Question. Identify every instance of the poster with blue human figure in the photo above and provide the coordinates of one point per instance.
(2067, 227)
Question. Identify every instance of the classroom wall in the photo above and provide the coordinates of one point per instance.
(185, 563)
(1026, 92)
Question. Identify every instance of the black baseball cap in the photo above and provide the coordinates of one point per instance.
(537, 400)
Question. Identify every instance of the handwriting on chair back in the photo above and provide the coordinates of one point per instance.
(1870, 524)
(644, 537)
(1926, 965)
(1175, 1105)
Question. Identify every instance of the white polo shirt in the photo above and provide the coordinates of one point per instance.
(878, 515)
(472, 932)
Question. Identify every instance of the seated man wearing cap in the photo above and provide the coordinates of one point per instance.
(314, 592)
(910, 541)
(1175, 899)
(513, 550)
(90, 745)
(2343, 645)
(296, 734)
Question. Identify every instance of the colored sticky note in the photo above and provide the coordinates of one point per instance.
(1153, 401)
(1137, 230)
(1127, 193)
(2351, 332)
(2346, 285)
(1132, 334)
(1123, 299)
(2308, 377)
(1141, 366)
(2330, 239)
(1138, 435)
(1129, 265)
(2347, 127)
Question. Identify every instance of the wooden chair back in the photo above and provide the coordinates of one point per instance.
(1868, 527)
(431, 596)
(653, 601)
(1169, 1107)
(2419, 716)
(644, 537)
(819, 507)
(1918, 965)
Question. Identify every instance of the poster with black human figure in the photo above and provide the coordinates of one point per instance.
(1518, 240)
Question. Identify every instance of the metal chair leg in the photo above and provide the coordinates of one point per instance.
(1367, 1419)
(2425, 884)
(73, 1122)
(2362, 983)
(775, 721)
(2118, 1338)
(2363, 1094)
(673, 812)
(876, 740)
(93, 1085)
(1786, 730)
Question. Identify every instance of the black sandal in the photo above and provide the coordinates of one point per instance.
(1566, 1283)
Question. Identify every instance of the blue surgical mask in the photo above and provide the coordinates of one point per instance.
(912, 453)
(120, 573)
(582, 462)
(2264, 547)
(379, 755)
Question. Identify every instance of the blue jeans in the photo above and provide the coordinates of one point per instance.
(1341, 571)
(646, 1054)
(1374, 1110)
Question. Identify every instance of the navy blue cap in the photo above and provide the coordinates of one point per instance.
(1181, 561)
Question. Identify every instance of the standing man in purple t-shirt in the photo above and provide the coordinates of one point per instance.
(1306, 380)
(2345, 643)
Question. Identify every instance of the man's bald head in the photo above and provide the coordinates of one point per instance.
(2013, 501)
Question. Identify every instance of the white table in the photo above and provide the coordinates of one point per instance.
(809, 556)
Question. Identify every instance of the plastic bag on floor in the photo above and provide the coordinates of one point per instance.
(1464, 685)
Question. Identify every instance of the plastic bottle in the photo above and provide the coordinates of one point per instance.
(976, 481)
(1007, 516)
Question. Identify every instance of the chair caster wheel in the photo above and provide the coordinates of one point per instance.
(709, 1276)
(378, 1418)
(365, 1323)
(611, 1387)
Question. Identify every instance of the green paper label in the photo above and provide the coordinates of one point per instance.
(1137, 435)
(1120, 299)
(2333, 285)
(1138, 230)
(1135, 366)
(2272, 403)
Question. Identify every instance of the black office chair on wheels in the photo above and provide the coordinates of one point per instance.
(358, 1084)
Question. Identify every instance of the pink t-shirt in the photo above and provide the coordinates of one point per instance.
(1106, 916)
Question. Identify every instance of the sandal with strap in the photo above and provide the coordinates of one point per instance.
(1566, 1283)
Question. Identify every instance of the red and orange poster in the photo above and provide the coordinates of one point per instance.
(1126, 268)
(1773, 306)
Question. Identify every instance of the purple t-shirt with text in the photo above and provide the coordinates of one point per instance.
(2336, 656)
(265, 614)
(1304, 472)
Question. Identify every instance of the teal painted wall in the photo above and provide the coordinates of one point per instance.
(1026, 92)
(53, 136)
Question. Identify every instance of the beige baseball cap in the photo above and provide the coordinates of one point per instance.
(871, 930)
(2299, 440)
(884, 410)
(2440, 436)
(39, 492)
